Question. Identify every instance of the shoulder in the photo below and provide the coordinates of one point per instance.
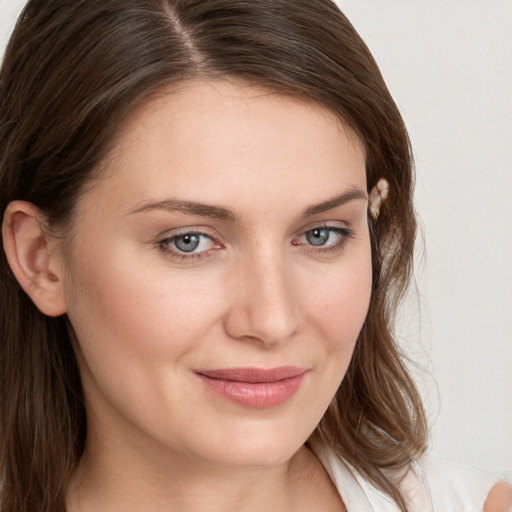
(429, 485)
(499, 499)
(460, 488)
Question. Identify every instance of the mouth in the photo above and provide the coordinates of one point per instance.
(254, 387)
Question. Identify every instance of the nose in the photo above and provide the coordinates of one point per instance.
(262, 303)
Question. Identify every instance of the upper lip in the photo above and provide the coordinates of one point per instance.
(254, 375)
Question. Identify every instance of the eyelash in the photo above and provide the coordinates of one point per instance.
(345, 235)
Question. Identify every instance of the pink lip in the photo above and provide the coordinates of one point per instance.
(255, 387)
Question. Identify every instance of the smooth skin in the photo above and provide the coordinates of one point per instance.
(227, 229)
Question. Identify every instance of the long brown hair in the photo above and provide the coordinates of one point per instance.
(72, 71)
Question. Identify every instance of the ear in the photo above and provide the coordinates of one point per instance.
(33, 257)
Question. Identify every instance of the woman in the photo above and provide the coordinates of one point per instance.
(208, 226)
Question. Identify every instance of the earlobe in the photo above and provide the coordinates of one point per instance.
(32, 258)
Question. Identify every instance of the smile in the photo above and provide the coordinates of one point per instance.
(254, 387)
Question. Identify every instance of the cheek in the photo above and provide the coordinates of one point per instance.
(138, 306)
(338, 307)
(139, 327)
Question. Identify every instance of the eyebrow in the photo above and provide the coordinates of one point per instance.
(351, 194)
(219, 213)
(188, 207)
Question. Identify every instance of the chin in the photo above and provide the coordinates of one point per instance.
(256, 445)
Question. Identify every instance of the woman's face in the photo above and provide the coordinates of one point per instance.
(218, 276)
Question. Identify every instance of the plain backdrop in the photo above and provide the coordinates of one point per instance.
(448, 64)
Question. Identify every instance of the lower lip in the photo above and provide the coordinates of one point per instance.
(260, 395)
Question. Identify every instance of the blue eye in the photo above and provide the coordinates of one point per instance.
(187, 243)
(325, 236)
(319, 236)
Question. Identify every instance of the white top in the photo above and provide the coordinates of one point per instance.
(431, 485)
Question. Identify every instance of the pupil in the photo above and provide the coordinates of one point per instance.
(187, 243)
(317, 236)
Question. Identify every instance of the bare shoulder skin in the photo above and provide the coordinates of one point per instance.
(499, 499)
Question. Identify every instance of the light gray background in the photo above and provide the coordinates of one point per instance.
(448, 64)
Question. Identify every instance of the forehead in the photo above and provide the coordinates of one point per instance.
(228, 141)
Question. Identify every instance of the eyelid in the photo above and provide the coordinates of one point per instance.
(200, 230)
(328, 225)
